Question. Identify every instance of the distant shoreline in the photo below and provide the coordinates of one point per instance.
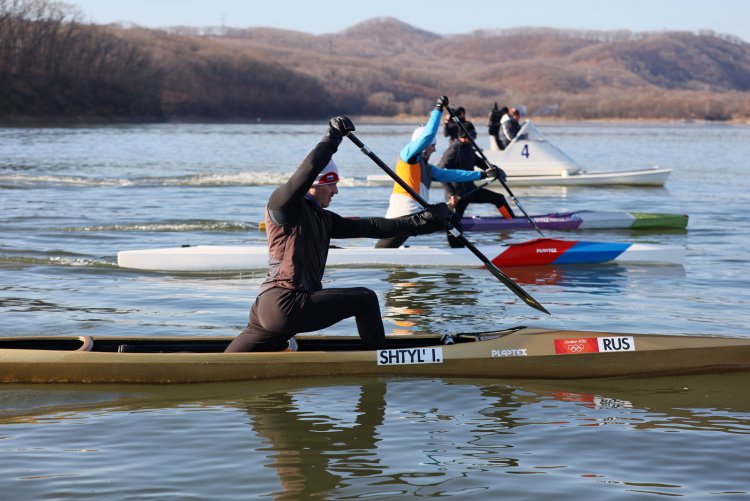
(481, 120)
(364, 119)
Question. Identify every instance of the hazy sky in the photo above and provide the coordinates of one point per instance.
(447, 17)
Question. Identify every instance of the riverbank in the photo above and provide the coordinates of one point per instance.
(27, 121)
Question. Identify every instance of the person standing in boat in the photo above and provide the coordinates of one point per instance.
(504, 125)
(462, 156)
(413, 167)
(493, 124)
(299, 230)
(509, 126)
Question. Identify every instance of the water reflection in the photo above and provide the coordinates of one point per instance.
(349, 437)
(599, 279)
(412, 296)
(318, 438)
(429, 299)
(718, 403)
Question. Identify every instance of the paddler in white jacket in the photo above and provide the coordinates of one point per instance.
(413, 167)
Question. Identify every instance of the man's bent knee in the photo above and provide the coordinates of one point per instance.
(365, 294)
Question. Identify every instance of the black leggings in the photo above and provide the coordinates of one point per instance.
(481, 196)
(278, 314)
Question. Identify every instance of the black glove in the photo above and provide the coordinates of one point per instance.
(441, 103)
(440, 214)
(342, 124)
(433, 218)
(496, 172)
(338, 127)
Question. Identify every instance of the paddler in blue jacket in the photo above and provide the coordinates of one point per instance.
(413, 167)
(299, 231)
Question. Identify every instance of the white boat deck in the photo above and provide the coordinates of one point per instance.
(531, 160)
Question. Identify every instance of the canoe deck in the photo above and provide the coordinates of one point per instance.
(581, 220)
(574, 221)
(522, 352)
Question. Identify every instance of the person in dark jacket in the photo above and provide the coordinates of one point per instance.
(493, 124)
(503, 125)
(509, 126)
(450, 127)
(461, 155)
(299, 230)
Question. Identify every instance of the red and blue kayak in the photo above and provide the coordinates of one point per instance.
(542, 251)
(551, 251)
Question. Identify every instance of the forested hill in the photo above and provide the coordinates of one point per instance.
(52, 66)
(384, 66)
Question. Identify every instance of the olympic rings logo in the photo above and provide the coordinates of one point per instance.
(575, 348)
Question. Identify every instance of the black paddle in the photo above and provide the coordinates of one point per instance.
(477, 188)
(490, 166)
(510, 284)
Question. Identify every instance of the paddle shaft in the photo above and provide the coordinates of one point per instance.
(476, 188)
(489, 166)
(510, 284)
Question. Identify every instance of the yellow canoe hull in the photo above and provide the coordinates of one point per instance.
(525, 353)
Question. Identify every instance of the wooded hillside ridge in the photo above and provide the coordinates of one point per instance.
(53, 66)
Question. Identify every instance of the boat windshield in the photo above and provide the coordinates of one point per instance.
(529, 132)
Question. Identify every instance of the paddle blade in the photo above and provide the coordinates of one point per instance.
(516, 289)
(510, 284)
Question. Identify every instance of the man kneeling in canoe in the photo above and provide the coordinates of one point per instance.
(299, 230)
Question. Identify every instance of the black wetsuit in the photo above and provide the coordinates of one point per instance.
(291, 299)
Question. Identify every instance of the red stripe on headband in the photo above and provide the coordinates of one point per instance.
(328, 178)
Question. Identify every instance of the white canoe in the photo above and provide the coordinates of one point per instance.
(542, 251)
(531, 160)
(646, 177)
(531, 154)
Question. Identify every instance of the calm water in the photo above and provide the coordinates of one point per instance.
(73, 197)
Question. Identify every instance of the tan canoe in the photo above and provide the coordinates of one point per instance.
(528, 353)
